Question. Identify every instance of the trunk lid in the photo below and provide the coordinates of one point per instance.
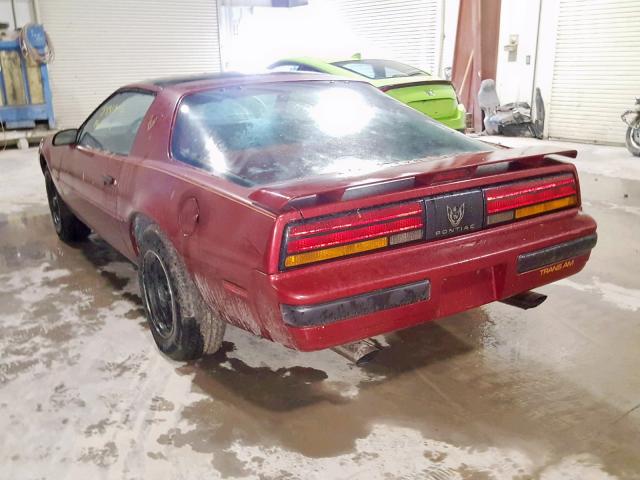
(435, 98)
(322, 190)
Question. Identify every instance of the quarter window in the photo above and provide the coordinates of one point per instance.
(114, 126)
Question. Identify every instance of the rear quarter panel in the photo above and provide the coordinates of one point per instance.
(222, 238)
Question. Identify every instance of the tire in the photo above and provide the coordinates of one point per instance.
(182, 325)
(632, 140)
(68, 227)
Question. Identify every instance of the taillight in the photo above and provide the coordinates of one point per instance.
(353, 233)
(528, 198)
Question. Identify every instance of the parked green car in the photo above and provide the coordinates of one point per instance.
(430, 95)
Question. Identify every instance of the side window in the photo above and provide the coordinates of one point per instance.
(390, 72)
(286, 67)
(364, 69)
(307, 68)
(113, 127)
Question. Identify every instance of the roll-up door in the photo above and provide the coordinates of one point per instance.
(103, 44)
(408, 29)
(596, 69)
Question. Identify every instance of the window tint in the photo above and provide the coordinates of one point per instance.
(307, 68)
(113, 127)
(265, 133)
(293, 67)
(285, 67)
(377, 69)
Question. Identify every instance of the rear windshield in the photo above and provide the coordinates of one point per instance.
(275, 132)
(378, 69)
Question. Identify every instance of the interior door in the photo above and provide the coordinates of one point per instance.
(94, 164)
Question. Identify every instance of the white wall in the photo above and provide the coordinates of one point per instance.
(546, 54)
(254, 37)
(450, 24)
(408, 31)
(596, 73)
(24, 13)
(101, 45)
(514, 80)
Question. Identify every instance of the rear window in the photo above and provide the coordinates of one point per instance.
(379, 69)
(276, 132)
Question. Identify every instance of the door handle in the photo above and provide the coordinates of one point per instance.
(108, 180)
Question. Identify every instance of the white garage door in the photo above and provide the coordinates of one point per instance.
(102, 44)
(407, 29)
(597, 69)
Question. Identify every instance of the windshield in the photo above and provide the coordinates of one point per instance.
(266, 133)
(379, 69)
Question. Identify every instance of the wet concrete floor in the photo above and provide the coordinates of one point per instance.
(494, 393)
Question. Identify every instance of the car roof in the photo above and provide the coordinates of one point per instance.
(188, 83)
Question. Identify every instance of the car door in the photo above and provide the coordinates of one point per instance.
(93, 165)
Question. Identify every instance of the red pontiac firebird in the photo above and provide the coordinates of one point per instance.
(311, 210)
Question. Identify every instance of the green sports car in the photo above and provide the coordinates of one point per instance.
(430, 95)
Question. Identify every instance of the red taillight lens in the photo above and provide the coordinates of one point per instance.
(357, 234)
(352, 233)
(522, 199)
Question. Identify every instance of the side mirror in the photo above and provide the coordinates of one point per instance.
(65, 137)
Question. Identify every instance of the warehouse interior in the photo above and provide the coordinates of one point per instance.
(494, 392)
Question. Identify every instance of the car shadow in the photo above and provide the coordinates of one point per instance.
(224, 375)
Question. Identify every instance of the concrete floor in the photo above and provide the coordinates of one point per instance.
(551, 393)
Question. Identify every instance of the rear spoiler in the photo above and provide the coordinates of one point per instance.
(319, 190)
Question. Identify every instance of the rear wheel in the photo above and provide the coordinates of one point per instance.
(633, 141)
(68, 227)
(182, 325)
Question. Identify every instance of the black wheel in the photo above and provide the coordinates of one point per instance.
(182, 325)
(68, 227)
(633, 141)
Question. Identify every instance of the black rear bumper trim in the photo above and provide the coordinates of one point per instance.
(556, 253)
(371, 302)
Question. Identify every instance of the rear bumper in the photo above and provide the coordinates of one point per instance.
(343, 301)
(365, 304)
(555, 254)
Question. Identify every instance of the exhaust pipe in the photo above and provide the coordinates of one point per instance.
(525, 300)
(360, 352)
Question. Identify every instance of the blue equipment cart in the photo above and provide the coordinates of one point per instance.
(25, 94)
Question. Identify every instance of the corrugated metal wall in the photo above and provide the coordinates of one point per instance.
(103, 44)
(408, 29)
(596, 70)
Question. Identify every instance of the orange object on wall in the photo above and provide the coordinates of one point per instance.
(475, 57)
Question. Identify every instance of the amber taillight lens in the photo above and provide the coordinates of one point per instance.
(352, 233)
(528, 198)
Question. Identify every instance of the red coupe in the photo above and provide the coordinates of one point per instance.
(311, 210)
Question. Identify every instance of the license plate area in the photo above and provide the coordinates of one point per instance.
(468, 289)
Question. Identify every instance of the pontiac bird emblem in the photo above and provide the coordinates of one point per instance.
(431, 93)
(455, 215)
